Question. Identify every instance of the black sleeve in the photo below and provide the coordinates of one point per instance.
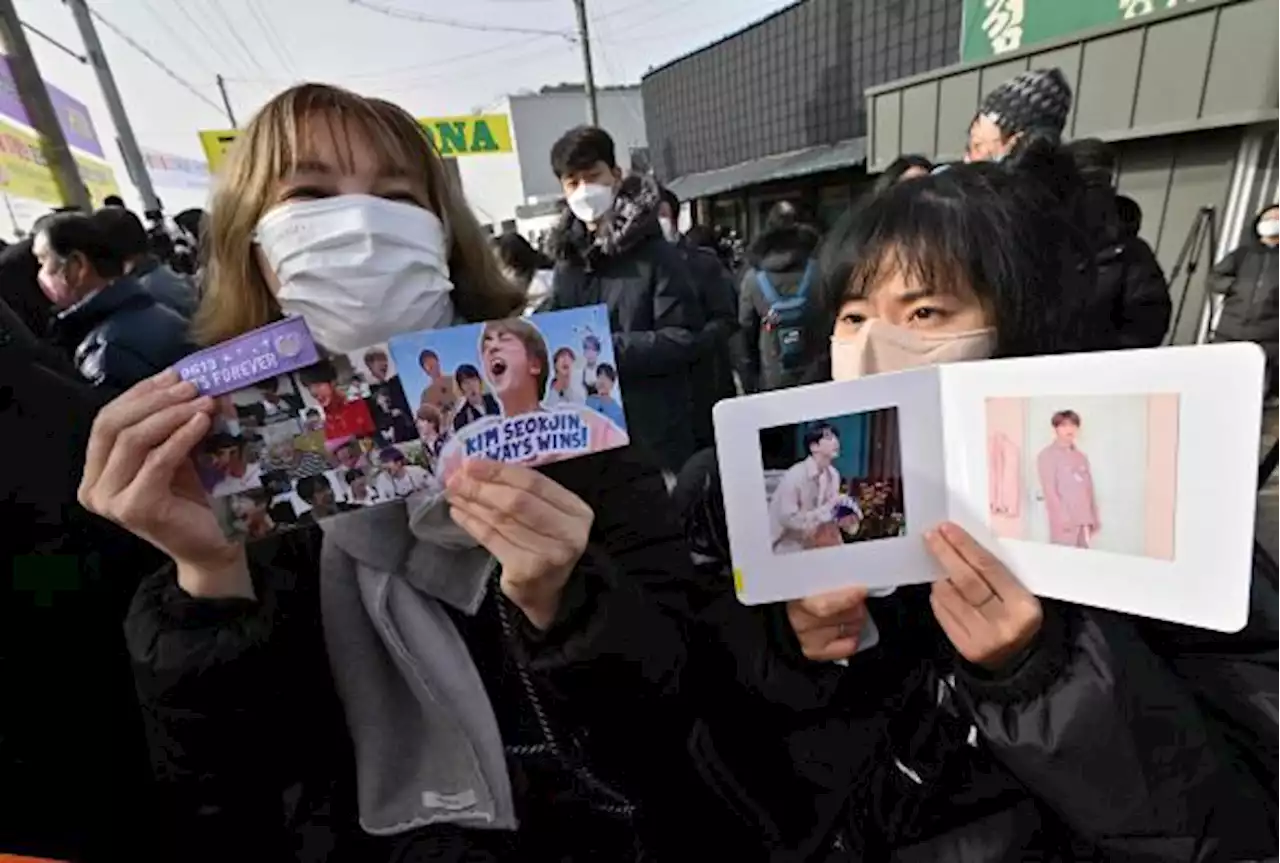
(719, 299)
(228, 690)
(1223, 275)
(1145, 305)
(618, 637)
(672, 344)
(749, 323)
(1099, 729)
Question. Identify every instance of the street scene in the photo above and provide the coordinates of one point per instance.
(360, 361)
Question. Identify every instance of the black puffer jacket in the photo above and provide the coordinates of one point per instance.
(713, 372)
(782, 254)
(70, 728)
(1249, 279)
(248, 737)
(1108, 742)
(121, 335)
(653, 311)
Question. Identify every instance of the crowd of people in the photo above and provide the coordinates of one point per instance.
(550, 664)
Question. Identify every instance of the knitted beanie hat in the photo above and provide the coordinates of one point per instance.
(1037, 100)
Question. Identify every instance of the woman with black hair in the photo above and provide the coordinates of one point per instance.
(526, 267)
(1248, 280)
(906, 167)
(985, 724)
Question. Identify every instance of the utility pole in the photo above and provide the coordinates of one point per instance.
(593, 109)
(129, 148)
(226, 101)
(40, 113)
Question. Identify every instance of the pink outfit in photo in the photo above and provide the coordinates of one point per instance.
(1004, 475)
(1067, 484)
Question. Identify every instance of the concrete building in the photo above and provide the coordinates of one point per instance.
(520, 186)
(776, 110)
(1187, 93)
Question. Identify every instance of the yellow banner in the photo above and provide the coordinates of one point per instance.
(471, 135)
(24, 173)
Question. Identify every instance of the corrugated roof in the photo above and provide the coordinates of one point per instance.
(797, 163)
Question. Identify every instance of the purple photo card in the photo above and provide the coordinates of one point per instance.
(267, 352)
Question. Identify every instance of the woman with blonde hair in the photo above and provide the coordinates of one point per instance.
(474, 674)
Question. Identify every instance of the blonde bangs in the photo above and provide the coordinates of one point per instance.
(236, 296)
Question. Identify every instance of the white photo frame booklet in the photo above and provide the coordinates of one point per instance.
(1121, 480)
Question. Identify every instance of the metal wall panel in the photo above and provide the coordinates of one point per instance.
(886, 145)
(1175, 60)
(1108, 82)
(920, 119)
(793, 81)
(995, 75)
(1242, 72)
(957, 103)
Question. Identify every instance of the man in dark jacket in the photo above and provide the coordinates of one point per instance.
(116, 332)
(70, 730)
(1130, 306)
(609, 249)
(1249, 282)
(713, 374)
(784, 256)
(125, 233)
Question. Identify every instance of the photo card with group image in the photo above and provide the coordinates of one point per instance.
(1121, 480)
(299, 436)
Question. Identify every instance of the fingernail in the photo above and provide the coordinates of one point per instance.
(204, 403)
(930, 536)
(167, 376)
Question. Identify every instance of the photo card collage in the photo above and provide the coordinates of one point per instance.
(298, 437)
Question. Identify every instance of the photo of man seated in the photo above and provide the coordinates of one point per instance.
(398, 478)
(277, 405)
(283, 455)
(318, 493)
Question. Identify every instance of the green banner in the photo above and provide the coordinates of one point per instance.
(994, 27)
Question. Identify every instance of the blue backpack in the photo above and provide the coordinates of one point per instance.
(785, 319)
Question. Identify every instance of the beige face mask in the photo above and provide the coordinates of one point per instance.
(880, 347)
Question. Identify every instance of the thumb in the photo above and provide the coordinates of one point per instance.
(835, 602)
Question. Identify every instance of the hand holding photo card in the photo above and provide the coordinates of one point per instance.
(1119, 480)
(336, 434)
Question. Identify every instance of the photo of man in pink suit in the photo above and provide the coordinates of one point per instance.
(1067, 484)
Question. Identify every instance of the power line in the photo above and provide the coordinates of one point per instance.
(177, 37)
(404, 15)
(201, 32)
(235, 34)
(274, 40)
(184, 83)
(54, 42)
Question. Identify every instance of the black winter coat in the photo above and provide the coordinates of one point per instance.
(248, 738)
(121, 335)
(713, 372)
(656, 320)
(1132, 294)
(783, 255)
(1108, 741)
(70, 728)
(1249, 281)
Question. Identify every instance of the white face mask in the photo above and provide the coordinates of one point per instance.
(1269, 228)
(358, 268)
(670, 232)
(591, 201)
(881, 347)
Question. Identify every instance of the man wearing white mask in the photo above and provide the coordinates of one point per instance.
(609, 248)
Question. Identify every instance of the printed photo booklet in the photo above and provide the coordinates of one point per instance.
(301, 436)
(1123, 480)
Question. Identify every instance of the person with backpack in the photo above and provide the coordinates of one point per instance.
(773, 301)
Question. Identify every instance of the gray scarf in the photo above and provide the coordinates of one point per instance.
(427, 745)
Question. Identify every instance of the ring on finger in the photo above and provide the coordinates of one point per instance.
(842, 630)
(990, 596)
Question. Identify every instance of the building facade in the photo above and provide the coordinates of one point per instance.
(776, 110)
(1188, 95)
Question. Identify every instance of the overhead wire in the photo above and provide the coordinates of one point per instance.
(155, 61)
(178, 38)
(406, 15)
(274, 41)
(235, 34)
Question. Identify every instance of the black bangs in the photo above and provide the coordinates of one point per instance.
(972, 230)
